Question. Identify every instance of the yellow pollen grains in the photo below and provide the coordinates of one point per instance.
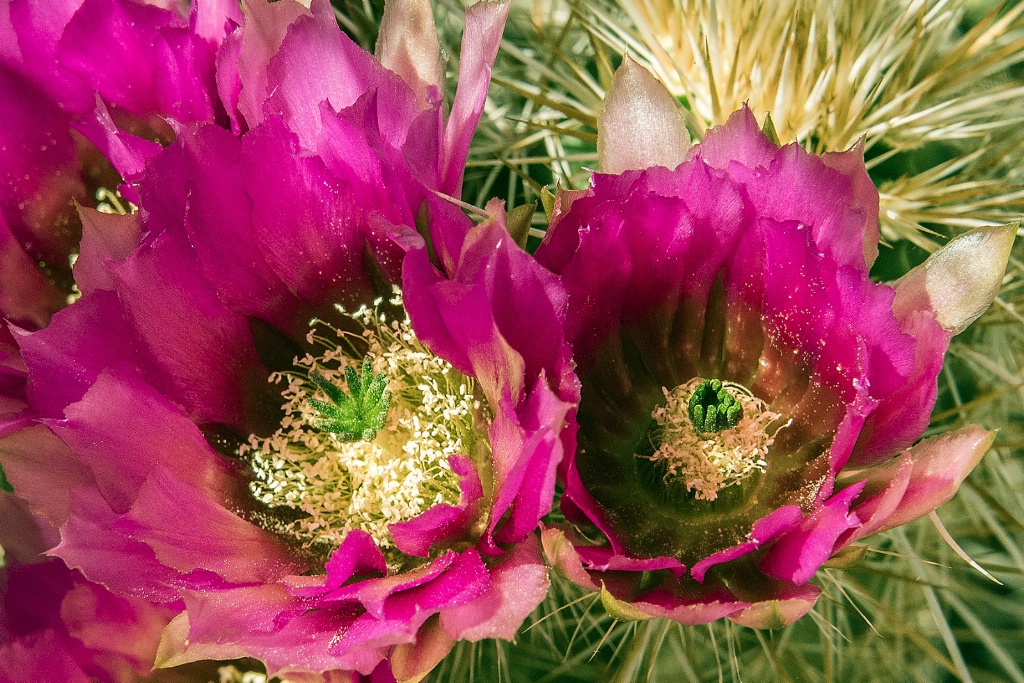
(336, 484)
(708, 461)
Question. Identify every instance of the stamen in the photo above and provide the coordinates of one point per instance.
(708, 441)
(112, 202)
(376, 455)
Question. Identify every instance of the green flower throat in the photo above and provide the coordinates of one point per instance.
(375, 454)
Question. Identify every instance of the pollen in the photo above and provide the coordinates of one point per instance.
(340, 479)
(704, 460)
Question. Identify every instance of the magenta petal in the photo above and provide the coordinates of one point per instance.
(472, 318)
(213, 540)
(43, 657)
(317, 63)
(128, 153)
(66, 357)
(528, 481)
(701, 607)
(202, 350)
(120, 633)
(265, 622)
(304, 219)
(357, 555)
(797, 555)
(603, 559)
(266, 24)
(864, 197)
(781, 611)
(517, 585)
(39, 170)
(414, 660)
(229, 84)
(885, 485)
(425, 308)
(219, 226)
(144, 62)
(564, 557)
(125, 566)
(740, 140)
(213, 17)
(903, 415)
(122, 429)
(481, 36)
(43, 470)
(373, 594)
(465, 580)
(26, 297)
(416, 536)
(765, 529)
(106, 238)
(940, 464)
(23, 536)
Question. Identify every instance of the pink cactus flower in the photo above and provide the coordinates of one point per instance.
(751, 400)
(378, 498)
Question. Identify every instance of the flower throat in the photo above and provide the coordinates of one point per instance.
(710, 435)
(368, 428)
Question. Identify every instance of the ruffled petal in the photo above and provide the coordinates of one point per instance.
(516, 586)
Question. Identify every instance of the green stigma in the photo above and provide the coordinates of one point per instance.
(359, 415)
(712, 408)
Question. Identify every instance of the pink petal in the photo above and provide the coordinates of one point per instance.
(517, 585)
(266, 24)
(781, 611)
(407, 44)
(122, 429)
(105, 238)
(797, 555)
(214, 539)
(765, 529)
(940, 464)
(416, 536)
(43, 470)
(480, 40)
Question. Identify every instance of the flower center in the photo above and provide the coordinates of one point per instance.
(711, 434)
(712, 407)
(376, 454)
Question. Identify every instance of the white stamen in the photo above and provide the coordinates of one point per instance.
(709, 462)
(368, 485)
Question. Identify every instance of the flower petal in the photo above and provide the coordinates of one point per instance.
(407, 44)
(797, 555)
(960, 280)
(774, 613)
(518, 583)
(416, 536)
(640, 124)
(940, 464)
(481, 37)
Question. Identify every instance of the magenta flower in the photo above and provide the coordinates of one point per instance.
(378, 497)
(68, 72)
(55, 625)
(750, 398)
